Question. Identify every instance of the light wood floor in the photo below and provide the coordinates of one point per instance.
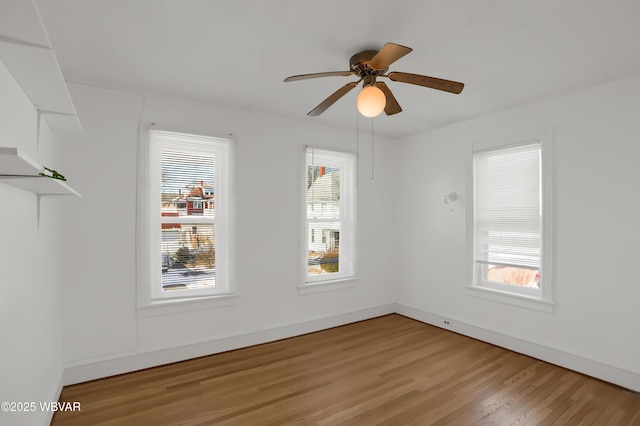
(388, 370)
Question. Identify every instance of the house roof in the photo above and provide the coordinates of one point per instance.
(198, 192)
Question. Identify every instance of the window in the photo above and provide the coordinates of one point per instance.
(511, 217)
(188, 215)
(330, 205)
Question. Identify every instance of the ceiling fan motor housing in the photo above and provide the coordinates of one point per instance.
(360, 64)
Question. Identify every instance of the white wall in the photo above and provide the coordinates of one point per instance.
(30, 355)
(596, 149)
(103, 331)
(419, 262)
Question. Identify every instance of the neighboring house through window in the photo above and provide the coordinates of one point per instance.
(189, 215)
(330, 204)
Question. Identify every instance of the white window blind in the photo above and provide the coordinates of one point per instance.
(508, 211)
(330, 188)
(190, 214)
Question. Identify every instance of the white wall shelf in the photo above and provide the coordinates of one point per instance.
(19, 170)
(37, 71)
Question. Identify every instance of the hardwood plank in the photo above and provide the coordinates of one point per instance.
(387, 370)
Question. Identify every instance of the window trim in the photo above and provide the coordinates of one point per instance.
(349, 161)
(542, 299)
(148, 296)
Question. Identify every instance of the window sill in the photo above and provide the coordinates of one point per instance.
(330, 285)
(173, 306)
(509, 298)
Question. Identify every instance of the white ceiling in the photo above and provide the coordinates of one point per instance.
(237, 52)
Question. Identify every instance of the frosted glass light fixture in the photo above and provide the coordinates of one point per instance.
(371, 101)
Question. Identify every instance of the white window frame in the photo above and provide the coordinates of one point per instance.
(542, 297)
(347, 162)
(150, 293)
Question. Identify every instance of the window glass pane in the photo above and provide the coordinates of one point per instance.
(324, 248)
(187, 183)
(188, 256)
(522, 277)
(508, 215)
(323, 192)
(190, 180)
(330, 204)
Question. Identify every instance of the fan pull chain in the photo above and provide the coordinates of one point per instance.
(357, 137)
(357, 164)
(372, 166)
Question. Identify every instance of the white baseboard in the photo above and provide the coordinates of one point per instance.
(579, 363)
(91, 369)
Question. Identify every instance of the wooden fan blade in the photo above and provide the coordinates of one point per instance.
(332, 99)
(389, 53)
(431, 82)
(317, 75)
(392, 106)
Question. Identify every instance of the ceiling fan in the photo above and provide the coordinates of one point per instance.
(370, 65)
